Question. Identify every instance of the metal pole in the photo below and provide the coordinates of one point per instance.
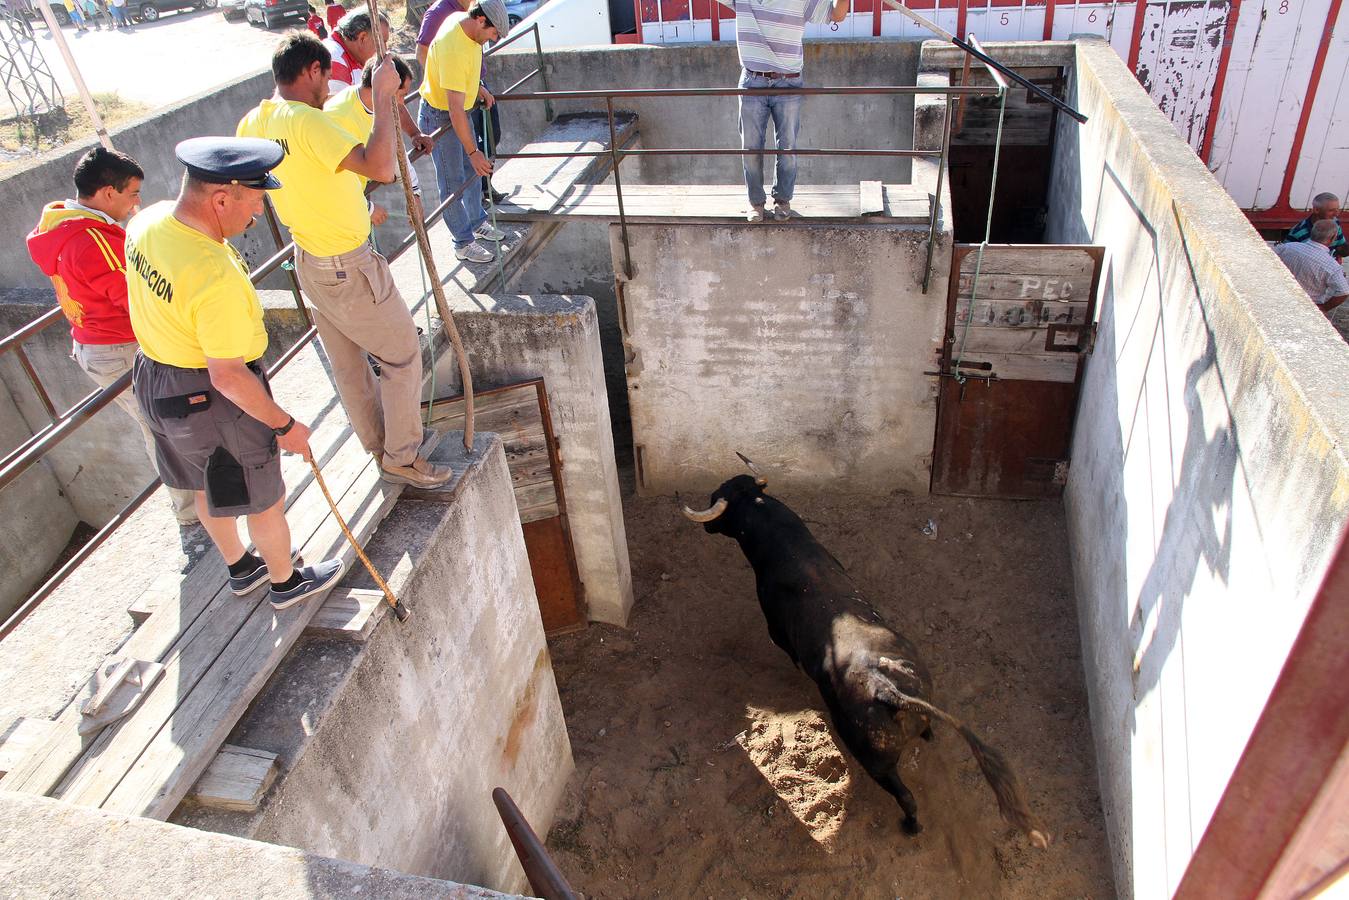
(99, 128)
(616, 154)
(936, 198)
(37, 384)
(543, 73)
(290, 270)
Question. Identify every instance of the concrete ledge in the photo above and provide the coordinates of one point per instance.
(390, 749)
(54, 849)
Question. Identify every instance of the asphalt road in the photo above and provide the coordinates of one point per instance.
(182, 54)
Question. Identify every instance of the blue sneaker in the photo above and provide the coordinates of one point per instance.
(313, 580)
(243, 584)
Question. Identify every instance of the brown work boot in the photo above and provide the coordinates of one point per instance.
(422, 474)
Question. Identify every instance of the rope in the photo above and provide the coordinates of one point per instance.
(400, 611)
(424, 246)
(988, 230)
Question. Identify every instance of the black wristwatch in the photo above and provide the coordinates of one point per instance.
(284, 429)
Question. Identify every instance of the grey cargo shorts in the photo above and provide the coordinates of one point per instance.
(203, 442)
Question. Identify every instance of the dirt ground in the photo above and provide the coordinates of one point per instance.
(705, 769)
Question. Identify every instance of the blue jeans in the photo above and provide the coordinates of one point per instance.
(453, 169)
(754, 115)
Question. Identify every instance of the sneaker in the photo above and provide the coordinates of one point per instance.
(422, 474)
(313, 579)
(782, 210)
(486, 232)
(474, 252)
(242, 584)
(756, 214)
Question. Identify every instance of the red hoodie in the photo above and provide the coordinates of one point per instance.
(85, 258)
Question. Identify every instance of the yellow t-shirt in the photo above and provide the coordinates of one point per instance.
(346, 109)
(189, 295)
(324, 209)
(453, 63)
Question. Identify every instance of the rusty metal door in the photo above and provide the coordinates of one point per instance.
(1017, 338)
(519, 414)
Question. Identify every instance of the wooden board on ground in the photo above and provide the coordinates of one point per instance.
(235, 780)
(519, 414)
(659, 203)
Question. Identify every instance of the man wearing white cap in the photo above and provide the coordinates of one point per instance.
(452, 85)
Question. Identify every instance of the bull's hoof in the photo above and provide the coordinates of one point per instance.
(911, 826)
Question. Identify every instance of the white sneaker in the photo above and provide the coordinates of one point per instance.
(485, 232)
(474, 252)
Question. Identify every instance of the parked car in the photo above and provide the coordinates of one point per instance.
(231, 9)
(150, 10)
(271, 13)
(518, 9)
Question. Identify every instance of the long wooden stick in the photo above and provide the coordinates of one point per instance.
(424, 243)
(398, 610)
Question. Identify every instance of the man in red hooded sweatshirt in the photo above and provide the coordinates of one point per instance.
(79, 245)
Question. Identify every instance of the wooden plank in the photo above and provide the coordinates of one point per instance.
(349, 614)
(1056, 367)
(995, 339)
(720, 202)
(181, 748)
(540, 511)
(872, 200)
(196, 649)
(235, 780)
(1027, 286)
(535, 495)
(20, 741)
(1023, 313)
(164, 589)
(1069, 262)
(550, 565)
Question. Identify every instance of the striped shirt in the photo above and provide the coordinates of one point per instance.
(1315, 269)
(1302, 231)
(768, 32)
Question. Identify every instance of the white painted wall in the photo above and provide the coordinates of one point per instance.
(1209, 480)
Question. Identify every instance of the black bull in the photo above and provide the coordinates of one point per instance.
(870, 677)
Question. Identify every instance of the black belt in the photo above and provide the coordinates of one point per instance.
(774, 75)
(255, 366)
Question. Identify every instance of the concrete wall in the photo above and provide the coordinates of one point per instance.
(390, 749)
(1209, 481)
(511, 338)
(867, 122)
(803, 347)
(54, 849)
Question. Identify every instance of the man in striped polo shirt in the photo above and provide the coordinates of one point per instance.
(1325, 207)
(768, 35)
(1312, 264)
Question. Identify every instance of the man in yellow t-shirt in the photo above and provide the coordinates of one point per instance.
(197, 375)
(357, 308)
(351, 109)
(451, 86)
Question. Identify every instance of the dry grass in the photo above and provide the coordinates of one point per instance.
(21, 139)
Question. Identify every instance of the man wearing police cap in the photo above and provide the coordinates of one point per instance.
(198, 377)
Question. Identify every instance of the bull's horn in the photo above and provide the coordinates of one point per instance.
(712, 512)
(758, 476)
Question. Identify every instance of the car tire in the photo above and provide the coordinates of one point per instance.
(62, 16)
(268, 22)
(513, 20)
(149, 12)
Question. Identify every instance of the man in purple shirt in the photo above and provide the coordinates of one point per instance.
(432, 19)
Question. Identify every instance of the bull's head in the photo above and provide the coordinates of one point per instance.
(741, 488)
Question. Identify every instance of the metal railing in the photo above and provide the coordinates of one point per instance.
(617, 154)
(62, 425)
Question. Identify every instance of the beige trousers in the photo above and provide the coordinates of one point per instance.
(358, 310)
(104, 364)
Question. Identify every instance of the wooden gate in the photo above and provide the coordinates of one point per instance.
(1018, 339)
(519, 414)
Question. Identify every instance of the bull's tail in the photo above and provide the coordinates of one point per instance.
(997, 772)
